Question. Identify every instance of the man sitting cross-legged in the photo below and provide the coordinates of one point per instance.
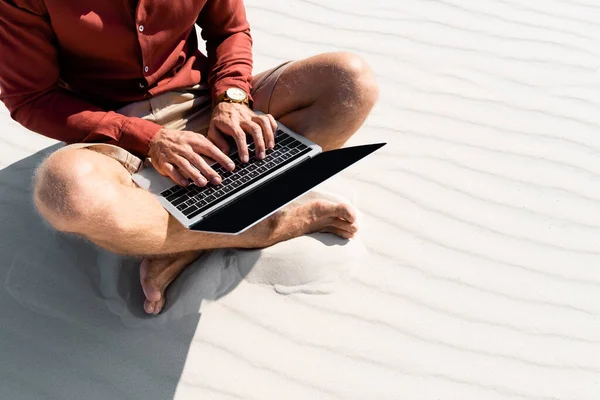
(124, 81)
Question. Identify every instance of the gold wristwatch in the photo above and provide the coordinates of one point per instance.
(234, 95)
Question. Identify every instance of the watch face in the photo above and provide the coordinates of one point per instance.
(236, 94)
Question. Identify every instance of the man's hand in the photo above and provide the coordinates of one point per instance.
(237, 120)
(178, 155)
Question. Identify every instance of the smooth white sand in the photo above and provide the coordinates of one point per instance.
(480, 218)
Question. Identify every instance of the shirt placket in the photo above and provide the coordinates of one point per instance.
(140, 19)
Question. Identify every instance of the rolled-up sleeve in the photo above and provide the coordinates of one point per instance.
(229, 45)
(29, 87)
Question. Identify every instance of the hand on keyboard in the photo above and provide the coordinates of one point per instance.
(193, 200)
(237, 121)
(178, 155)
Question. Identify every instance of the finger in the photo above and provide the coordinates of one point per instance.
(187, 169)
(239, 135)
(272, 121)
(172, 173)
(267, 130)
(201, 165)
(338, 232)
(256, 132)
(207, 148)
(217, 137)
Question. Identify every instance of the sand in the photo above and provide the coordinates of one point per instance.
(476, 272)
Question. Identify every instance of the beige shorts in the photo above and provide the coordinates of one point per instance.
(182, 109)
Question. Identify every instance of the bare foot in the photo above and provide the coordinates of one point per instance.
(156, 274)
(313, 212)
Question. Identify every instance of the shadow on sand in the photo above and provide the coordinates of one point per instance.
(72, 324)
(71, 319)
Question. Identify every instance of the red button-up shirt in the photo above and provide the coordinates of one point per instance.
(64, 65)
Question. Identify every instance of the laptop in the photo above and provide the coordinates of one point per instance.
(254, 190)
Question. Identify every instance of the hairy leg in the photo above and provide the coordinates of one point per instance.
(89, 194)
(326, 98)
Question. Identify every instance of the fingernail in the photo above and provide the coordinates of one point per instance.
(183, 182)
(271, 145)
(216, 180)
(261, 155)
(231, 166)
(245, 158)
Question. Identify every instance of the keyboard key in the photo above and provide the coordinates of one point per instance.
(180, 200)
(189, 210)
(182, 206)
(286, 148)
(195, 213)
(175, 194)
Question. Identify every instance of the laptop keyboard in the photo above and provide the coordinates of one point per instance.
(193, 200)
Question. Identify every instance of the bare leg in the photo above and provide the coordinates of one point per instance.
(326, 98)
(92, 195)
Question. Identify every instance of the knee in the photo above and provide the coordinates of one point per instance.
(64, 188)
(355, 81)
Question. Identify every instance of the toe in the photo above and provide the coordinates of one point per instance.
(149, 306)
(344, 225)
(346, 211)
(149, 285)
(157, 274)
(154, 307)
(159, 305)
(338, 232)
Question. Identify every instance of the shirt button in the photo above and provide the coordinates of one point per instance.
(141, 28)
(142, 85)
(146, 69)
